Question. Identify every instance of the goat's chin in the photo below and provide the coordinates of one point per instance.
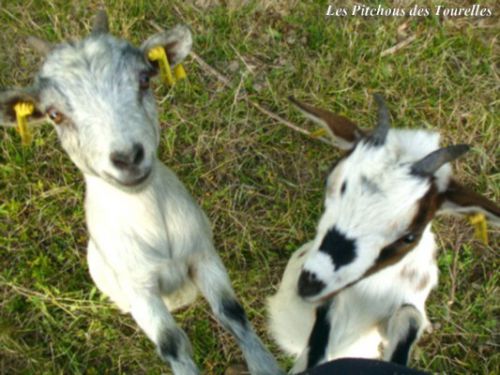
(325, 296)
(322, 298)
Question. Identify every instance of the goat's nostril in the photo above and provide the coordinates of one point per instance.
(127, 160)
(120, 160)
(309, 285)
(138, 153)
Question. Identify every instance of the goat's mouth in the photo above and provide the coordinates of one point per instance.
(137, 181)
(131, 182)
(313, 290)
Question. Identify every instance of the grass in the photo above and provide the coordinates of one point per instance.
(260, 183)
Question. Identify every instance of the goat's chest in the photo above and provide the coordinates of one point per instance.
(145, 229)
(409, 281)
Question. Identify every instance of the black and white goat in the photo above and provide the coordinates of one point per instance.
(150, 246)
(359, 288)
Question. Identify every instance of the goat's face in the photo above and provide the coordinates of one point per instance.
(96, 92)
(379, 199)
(376, 208)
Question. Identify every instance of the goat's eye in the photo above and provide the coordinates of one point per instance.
(55, 115)
(409, 238)
(144, 80)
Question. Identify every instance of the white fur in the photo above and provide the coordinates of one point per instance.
(151, 236)
(373, 215)
(379, 203)
(361, 311)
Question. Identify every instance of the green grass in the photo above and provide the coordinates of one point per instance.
(260, 183)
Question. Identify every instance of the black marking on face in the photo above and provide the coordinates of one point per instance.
(168, 345)
(402, 351)
(309, 285)
(343, 187)
(318, 340)
(234, 311)
(341, 249)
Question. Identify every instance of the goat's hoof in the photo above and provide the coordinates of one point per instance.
(237, 369)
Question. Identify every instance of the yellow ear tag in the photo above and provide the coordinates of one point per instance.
(23, 110)
(179, 72)
(159, 54)
(480, 227)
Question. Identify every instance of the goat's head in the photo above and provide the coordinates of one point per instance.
(379, 199)
(96, 92)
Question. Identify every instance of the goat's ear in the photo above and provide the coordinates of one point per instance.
(177, 43)
(343, 131)
(458, 199)
(9, 99)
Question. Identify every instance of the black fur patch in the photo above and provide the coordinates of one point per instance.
(343, 187)
(341, 249)
(234, 311)
(168, 346)
(402, 351)
(318, 340)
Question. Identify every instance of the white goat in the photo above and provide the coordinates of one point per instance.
(150, 246)
(359, 288)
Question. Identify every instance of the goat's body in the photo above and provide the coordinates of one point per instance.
(151, 251)
(359, 288)
(148, 238)
(360, 314)
(150, 247)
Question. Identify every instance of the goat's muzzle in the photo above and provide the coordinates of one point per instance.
(309, 285)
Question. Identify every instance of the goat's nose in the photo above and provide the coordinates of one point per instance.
(126, 160)
(309, 285)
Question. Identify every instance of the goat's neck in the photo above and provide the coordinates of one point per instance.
(110, 202)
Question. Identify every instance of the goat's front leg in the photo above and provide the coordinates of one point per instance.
(211, 278)
(404, 328)
(317, 344)
(173, 346)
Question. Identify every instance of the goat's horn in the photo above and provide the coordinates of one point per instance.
(101, 24)
(383, 124)
(432, 162)
(40, 45)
